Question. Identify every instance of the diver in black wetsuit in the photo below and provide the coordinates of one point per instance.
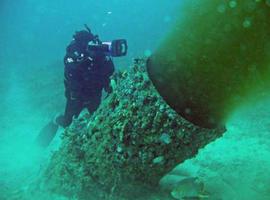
(87, 72)
(88, 67)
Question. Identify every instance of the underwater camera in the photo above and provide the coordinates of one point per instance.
(115, 48)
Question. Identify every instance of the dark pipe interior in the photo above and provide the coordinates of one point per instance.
(214, 60)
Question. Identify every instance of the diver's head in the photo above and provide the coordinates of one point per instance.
(83, 37)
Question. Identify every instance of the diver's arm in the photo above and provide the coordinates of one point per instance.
(109, 70)
(72, 78)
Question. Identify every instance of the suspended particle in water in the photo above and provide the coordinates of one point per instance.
(232, 4)
(246, 23)
(221, 8)
(188, 111)
(147, 53)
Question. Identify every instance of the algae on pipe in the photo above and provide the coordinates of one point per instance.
(215, 58)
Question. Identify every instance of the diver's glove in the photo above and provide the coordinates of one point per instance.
(74, 96)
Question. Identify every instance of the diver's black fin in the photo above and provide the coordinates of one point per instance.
(46, 134)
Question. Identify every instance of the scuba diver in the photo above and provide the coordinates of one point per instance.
(88, 67)
(86, 74)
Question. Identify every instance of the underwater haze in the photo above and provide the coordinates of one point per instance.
(34, 36)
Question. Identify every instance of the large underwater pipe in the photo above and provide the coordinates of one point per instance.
(215, 57)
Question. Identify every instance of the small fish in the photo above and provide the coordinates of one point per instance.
(189, 189)
(200, 197)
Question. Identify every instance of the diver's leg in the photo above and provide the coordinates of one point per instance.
(73, 108)
(94, 102)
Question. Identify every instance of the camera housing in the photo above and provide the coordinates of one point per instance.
(115, 48)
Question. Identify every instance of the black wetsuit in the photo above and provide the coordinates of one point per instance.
(86, 74)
